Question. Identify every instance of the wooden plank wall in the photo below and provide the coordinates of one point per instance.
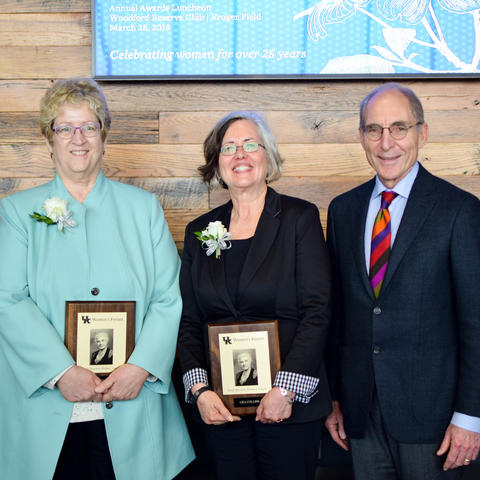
(158, 127)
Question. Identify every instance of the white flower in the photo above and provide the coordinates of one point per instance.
(214, 238)
(56, 213)
(216, 229)
(55, 208)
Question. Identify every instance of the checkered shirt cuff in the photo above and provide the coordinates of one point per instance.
(303, 385)
(190, 378)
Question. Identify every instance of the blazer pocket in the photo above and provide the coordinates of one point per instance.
(434, 385)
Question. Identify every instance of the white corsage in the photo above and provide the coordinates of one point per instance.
(214, 238)
(56, 213)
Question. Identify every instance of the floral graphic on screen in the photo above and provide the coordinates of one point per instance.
(421, 35)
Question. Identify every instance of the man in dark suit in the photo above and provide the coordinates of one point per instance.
(405, 346)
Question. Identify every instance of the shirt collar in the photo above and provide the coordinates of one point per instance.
(94, 197)
(403, 187)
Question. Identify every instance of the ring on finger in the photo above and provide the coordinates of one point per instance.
(467, 460)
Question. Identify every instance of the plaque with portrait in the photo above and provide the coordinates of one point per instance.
(100, 335)
(244, 359)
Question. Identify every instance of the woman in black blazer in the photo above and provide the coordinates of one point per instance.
(273, 264)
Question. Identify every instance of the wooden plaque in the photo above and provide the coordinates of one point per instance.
(244, 359)
(100, 335)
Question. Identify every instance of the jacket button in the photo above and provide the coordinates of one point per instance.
(109, 405)
(376, 349)
(95, 291)
(377, 310)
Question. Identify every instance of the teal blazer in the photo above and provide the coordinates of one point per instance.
(122, 247)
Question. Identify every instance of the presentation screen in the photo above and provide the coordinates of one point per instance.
(201, 39)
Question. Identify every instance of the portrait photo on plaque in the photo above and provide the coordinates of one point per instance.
(244, 359)
(101, 346)
(245, 367)
(100, 335)
(109, 333)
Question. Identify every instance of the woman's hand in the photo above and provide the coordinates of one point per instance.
(212, 409)
(78, 385)
(124, 383)
(274, 407)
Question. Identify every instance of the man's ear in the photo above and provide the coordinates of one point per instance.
(423, 135)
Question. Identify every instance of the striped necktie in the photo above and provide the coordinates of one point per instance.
(380, 249)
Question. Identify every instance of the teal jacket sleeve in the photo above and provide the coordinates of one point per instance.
(32, 347)
(156, 344)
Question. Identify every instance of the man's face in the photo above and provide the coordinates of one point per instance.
(101, 339)
(392, 159)
(244, 361)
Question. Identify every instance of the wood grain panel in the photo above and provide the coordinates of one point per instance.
(349, 159)
(9, 186)
(178, 220)
(45, 6)
(274, 96)
(288, 127)
(310, 160)
(192, 194)
(119, 161)
(152, 160)
(456, 95)
(45, 62)
(22, 95)
(322, 190)
(133, 127)
(41, 29)
(312, 127)
(173, 193)
(128, 127)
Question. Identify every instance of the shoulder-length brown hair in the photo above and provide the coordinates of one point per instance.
(213, 143)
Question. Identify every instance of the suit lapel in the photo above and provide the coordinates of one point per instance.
(359, 215)
(216, 266)
(263, 239)
(419, 205)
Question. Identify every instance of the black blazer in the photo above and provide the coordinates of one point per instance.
(419, 343)
(285, 277)
(107, 359)
(251, 379)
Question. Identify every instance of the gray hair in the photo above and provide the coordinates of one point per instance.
(213, 144)
(413, 100)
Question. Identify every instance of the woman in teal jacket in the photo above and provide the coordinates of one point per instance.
(91, 239)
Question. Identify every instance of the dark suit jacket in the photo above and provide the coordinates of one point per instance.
(106, 360)
(419, 343)
(285, 277)
(251, 379)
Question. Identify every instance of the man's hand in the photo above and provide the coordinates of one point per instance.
(462, 447)
(274, 407)
(212, 409)
(334, 424)
(124, 383)
(78, 385)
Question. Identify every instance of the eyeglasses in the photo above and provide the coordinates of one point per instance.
(88, 130)
(397, 130)
(247, 147)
